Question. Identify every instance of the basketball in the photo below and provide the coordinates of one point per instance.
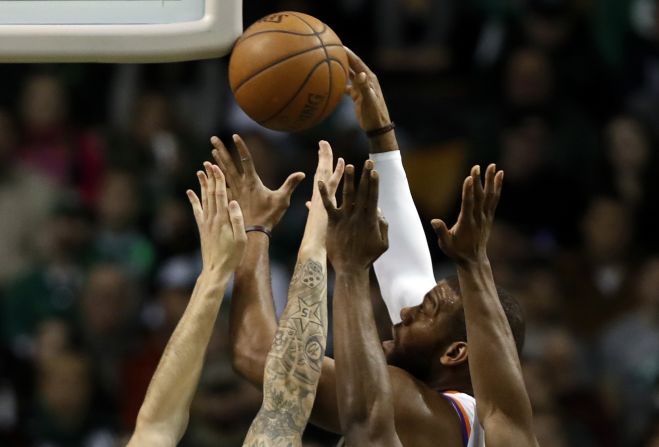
(288, 71)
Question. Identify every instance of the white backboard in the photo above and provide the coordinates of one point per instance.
(117, 30)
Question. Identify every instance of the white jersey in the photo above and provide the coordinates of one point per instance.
(465, 407)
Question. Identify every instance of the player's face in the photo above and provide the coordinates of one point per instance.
(423, 331)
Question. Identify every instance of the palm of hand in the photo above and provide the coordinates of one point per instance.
(261, 205)
(467, 239)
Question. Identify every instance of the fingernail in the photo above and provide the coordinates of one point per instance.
(235, 137)
(478, 170)
(233, 204)
(214, 139)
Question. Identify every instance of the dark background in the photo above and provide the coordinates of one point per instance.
(98, 251)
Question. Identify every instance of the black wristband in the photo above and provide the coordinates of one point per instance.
(259, 228)
(381, 131)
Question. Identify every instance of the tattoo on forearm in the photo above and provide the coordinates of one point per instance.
(294, 362)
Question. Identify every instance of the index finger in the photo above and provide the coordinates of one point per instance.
(332, 211)
(364, 186)
(356, 63)
(373, 192)
(225, 160)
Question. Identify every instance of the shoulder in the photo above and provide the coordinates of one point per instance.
(421, 412)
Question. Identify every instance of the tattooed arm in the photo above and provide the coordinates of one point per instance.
(294, 362)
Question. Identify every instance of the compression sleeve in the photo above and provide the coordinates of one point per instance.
(404, 271)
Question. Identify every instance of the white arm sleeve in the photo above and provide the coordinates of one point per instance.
(404, 271)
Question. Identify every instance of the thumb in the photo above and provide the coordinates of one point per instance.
(291, 183)
(442, 232)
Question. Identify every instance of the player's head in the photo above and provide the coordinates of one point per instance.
(432, 336)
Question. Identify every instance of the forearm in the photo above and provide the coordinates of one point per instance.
(252, 319)
(167, 402)
(493, 360)
(294, 363)
(404, 271)
(363, 386)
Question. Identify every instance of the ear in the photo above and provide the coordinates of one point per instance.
(455, 354)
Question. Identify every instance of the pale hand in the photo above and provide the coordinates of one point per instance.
(220, 222)
(325, 174)
(260, 205)
(467, 241)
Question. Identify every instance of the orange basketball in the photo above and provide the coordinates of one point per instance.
(288, 71)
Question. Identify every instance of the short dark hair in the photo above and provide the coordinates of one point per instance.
(511, 307)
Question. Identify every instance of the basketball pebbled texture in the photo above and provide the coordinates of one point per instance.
(288, 71)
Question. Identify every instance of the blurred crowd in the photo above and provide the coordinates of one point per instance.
(98, 250)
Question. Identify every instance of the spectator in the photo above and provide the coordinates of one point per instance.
(630, 357)
(25, 200)
(51, 286)
(67, 412)
(118, 238)
(51, 144)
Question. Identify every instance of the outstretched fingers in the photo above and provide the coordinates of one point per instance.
(373, 192)
(467, 208)
(348, 188)
(498, 185)
(442, 232)
(490, 189)
(361, 202)
(203, 180)
(210, 190)
(357, 65)
(237, 222)
(221, 201)
(245, 158)
(291, 183)
(336, 176)
(225, 161)
(479, 194)
(332, 211)
(196, 206)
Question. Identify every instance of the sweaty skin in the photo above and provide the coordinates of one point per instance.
(293, 364)
(356, 237)
(422, 415)
(504, 408)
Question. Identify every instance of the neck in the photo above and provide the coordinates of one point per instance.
(450, 379)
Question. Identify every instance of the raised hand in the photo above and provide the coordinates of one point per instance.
(365, 91)
(260, 205)
(467, 241)
(220, 223)
(325, 174)
(357, 234)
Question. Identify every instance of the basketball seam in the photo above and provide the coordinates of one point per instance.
(282, 31)
(327, 60)
(311, 72)
(277, 62)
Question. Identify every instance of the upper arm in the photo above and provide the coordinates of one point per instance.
(382, 436)
(502, 431)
